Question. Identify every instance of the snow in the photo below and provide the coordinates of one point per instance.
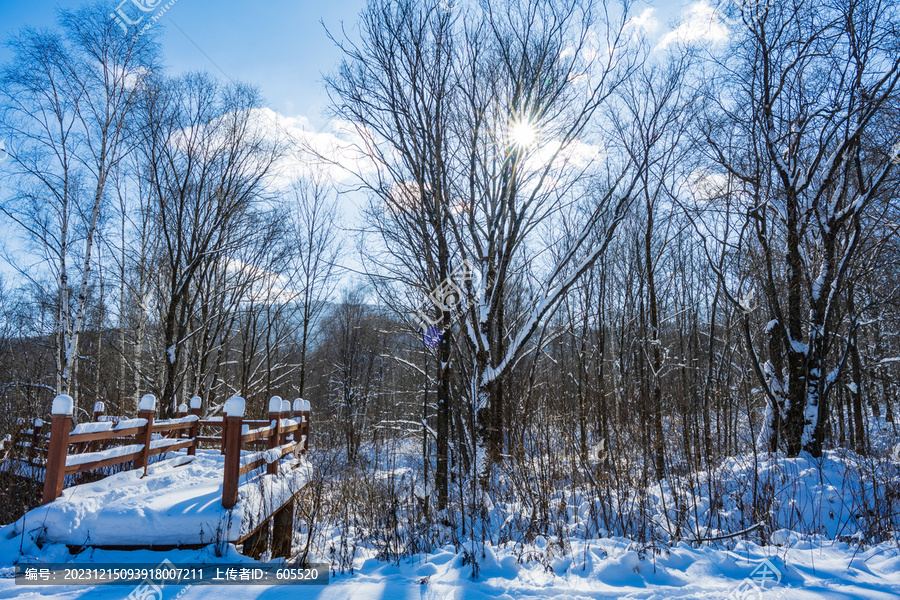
(125, 508)
(164, 442)
(818, 508)
(88, 457)
(285, 406)
(798, 346)
(93, 427)
(148, 402)
(62, 405)
(821, 565)
(170, 352)
(99, 407)
(195, 401)
(184, 419)
(234, 407)
(270, 455)
(275, 404)
(601, 569)
(129, 423)
(182, 408)
(298, 405)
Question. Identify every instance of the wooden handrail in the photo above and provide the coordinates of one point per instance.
(112, 434)
(291, 438)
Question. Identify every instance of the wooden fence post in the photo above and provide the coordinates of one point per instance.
(36, 426)
(231, 434)
(99, 408)
(275, 434)
(55, 473)
(304, 426)
(283, 530)
(182, 413)
(146, 410)
(285, 414)
(195, 427)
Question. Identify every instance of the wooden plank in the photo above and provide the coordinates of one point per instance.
(106, 462)
(230, 479)
(74, 549)
(256, 435)
(116, 460)
(250, 422)
(274, 437)
(172, 447)
(143, 438)
(261, 461)
(195, 426)
(257, 542)
(213, 439)
(159, 427)
(103, 435)
(251, 466)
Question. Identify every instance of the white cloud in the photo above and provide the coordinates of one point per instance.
(704, 184)
(333, 150)
(700, 22)
(645, 22)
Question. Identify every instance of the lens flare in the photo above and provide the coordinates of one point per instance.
(523, 134)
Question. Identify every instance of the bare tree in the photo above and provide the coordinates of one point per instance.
(313, 256)
(533, 89)
(797, 134)
(207, 160)
(396, 88)
(67, 99)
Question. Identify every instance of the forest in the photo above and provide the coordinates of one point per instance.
(542, 263)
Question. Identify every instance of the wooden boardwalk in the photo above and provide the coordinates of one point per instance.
(207, 488)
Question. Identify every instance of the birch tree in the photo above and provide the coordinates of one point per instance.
(68, 95)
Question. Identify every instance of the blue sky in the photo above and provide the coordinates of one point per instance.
(279, 45)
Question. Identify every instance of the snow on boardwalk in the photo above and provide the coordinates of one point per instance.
(179, 502)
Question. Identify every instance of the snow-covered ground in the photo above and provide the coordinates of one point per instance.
(827, 540)
(597, 569)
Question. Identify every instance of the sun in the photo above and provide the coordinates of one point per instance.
(523, 134)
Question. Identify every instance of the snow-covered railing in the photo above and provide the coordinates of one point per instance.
(285, 432)
(59, 463)
(276, 433)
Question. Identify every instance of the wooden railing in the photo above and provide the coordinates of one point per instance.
(180, 433)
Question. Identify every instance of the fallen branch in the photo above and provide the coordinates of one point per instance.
(726, 536)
